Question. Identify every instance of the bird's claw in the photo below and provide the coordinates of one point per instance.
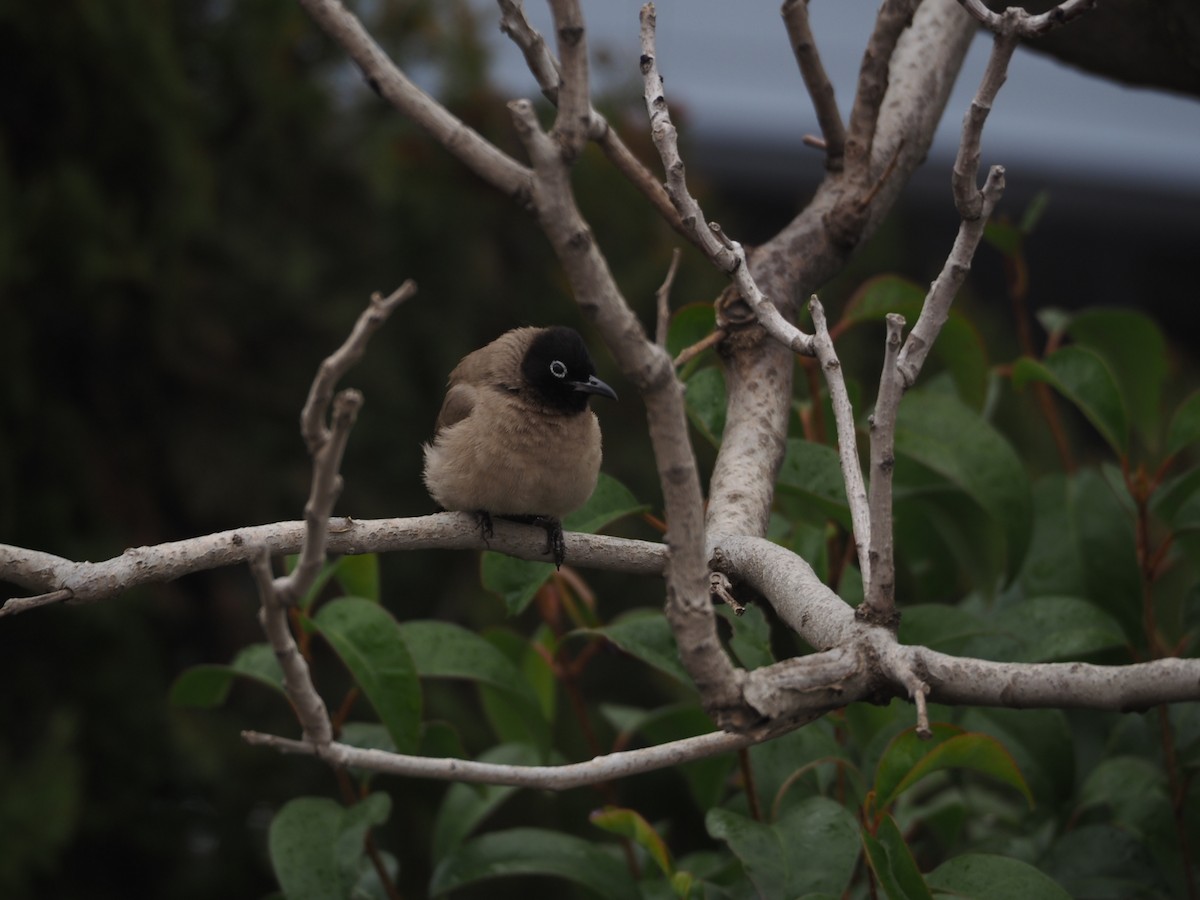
(484, 520)
(556, 544)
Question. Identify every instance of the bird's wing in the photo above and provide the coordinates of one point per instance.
(460, 400)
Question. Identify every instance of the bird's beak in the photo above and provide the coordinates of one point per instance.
(595, 386)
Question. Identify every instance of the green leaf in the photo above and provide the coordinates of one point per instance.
(207, 686)
(814, 472)
(1053, 564)
(1135, 791)
(646, 635)
(986, 877)
(689, 325)
(609, 502)
(534, 851)
(892, 862)
(629, 823)
(1101, 521)
(1059, 628)
(306, 602)
(1101, 862)
(518, 580)
(751, 638)
(316, 845)
(370, 644)
(704, 393)
(359, 576)
(445, 650)
(812, 848)
(1084, 379)
(959, 346)
(465, 806)
(513, 717)
(947, 629)
(1185, 425)
(1136, 353)
(940, 433)
(908, 759)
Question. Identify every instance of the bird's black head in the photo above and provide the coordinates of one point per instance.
(559, 370)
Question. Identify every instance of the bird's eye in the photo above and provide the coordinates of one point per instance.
(558, 369)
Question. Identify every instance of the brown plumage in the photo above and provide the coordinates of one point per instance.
(515, 437)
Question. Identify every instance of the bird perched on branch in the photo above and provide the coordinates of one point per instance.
(515, 437)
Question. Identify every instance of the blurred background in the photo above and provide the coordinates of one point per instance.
(197, 199)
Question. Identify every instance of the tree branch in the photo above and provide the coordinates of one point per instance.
(63, 580)
(649, 368)
(795, 20)
(847, 437)
(1017, 21)
(545, 70)
(620, 764)
(727, 255)
(880, 603)
(385, 78)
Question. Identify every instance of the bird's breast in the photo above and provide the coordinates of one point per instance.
(509, 459)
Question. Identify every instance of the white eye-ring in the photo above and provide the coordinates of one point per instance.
(558, 369)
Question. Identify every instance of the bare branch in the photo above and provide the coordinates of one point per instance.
(62, 580)
(571, 128)
(880, 604)
(710, 340)
(649, 367)
(795, 19)
(621, 764)
(297, 682)
(1071, 685)
(333, 367)
(968, 198)
(894, 16)
(722, 589)
(545, 69)
(327, 444)
(847, 436)
(662, 301)
(936, 308)
(385, 78)
(727, 255)
(1016, 21)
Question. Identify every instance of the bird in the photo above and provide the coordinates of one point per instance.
(515, 437)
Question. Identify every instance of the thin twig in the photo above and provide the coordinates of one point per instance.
(968, 198)
(327, 443)
(545, 70)
(662, 301)
(820, 89)
(621, 764)
(1014, 20)
(309, 707)
(847, 436)
(880, 603)
(726, 254)
(687, 354)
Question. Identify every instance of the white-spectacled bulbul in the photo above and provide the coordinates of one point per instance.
(515, 437)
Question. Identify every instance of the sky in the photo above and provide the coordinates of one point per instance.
(730, 65)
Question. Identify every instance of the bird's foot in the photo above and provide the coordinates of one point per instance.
(484, 520)
(556, 544)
